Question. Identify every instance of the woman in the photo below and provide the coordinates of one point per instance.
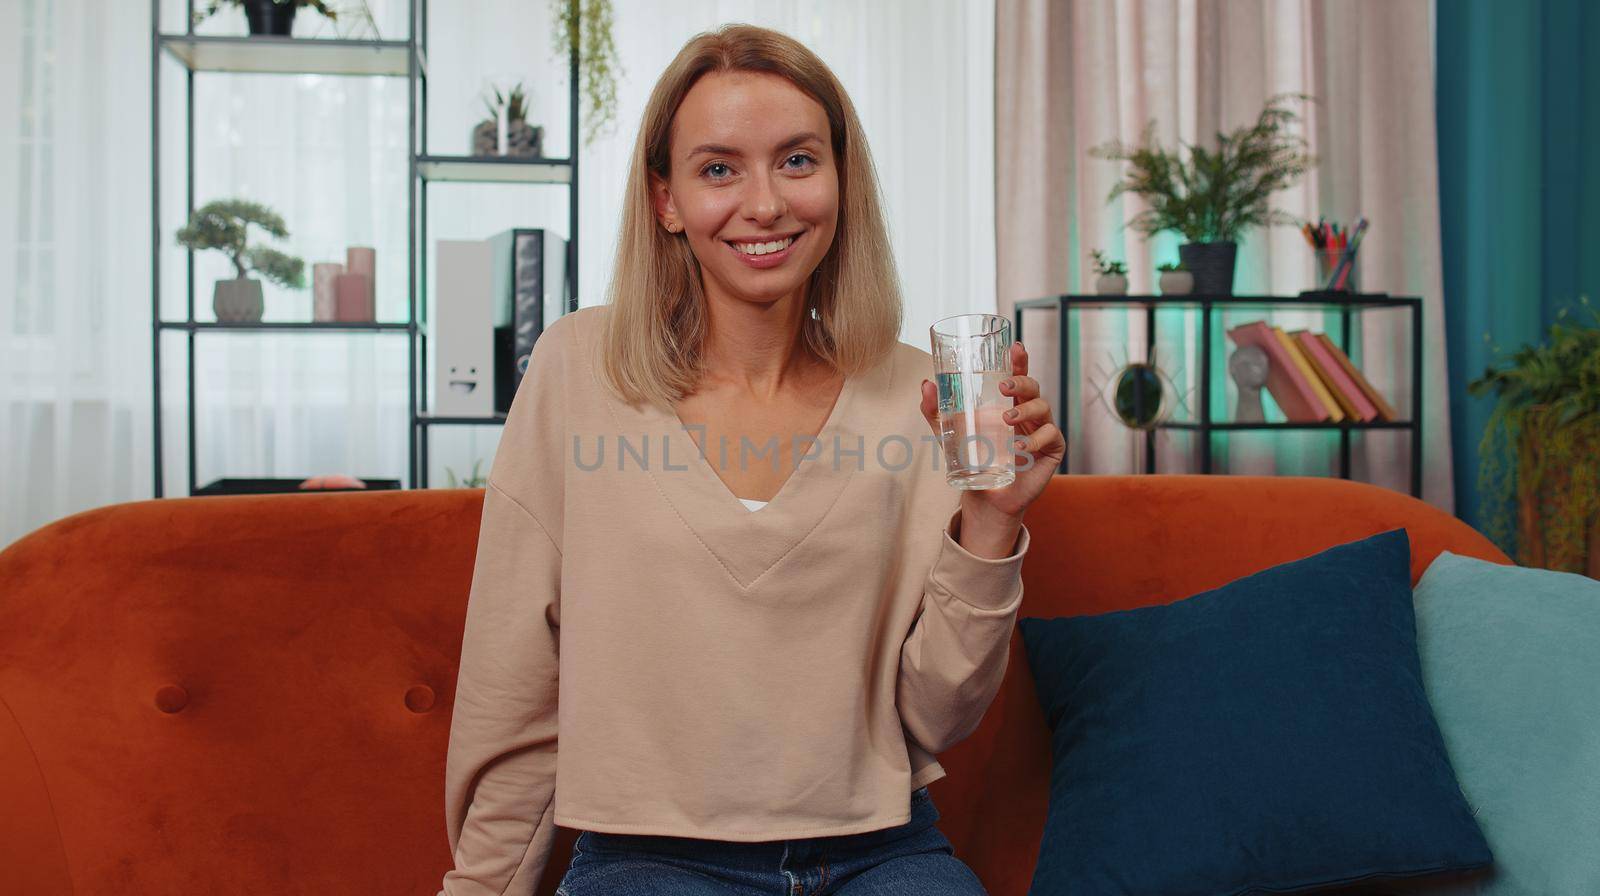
(712, 529)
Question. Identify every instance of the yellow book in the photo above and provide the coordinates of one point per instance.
(1334, 411)
(1345, 402)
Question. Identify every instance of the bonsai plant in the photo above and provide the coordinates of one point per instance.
(1211, 196)
(508, 110)
(274, 17)
(1112, 279)
(1539, 448)
(224, 224)
(585, 26)
(1175, 279)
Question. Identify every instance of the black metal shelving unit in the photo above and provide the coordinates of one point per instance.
(356, 58)
(1346, 304)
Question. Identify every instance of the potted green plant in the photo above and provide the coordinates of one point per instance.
(1111, 276)
(1175, 279)
(224, 225)
(1211, 196)
(507, 111)
(1539, 449)
(272, 17)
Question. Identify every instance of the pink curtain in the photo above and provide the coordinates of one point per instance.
(1071, 74)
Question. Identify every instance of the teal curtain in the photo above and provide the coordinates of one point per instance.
(1519, 190)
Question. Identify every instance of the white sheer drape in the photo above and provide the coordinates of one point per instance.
(75, 269)
(329, 155)
(1075, 73)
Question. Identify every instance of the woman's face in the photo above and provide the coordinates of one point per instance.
(753, 185)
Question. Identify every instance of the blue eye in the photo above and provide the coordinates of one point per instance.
(802, 156)
(708, 170)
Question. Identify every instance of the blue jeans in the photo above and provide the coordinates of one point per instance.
(912, 858)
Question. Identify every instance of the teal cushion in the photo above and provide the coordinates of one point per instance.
(1511, 663)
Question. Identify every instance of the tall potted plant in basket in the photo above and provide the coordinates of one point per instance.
(1211, 196)
(1538, 456)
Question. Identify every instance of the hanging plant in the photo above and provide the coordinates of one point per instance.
(1537, 455)
(585, 26)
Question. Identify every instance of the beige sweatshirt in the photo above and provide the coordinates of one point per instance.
(708, 671)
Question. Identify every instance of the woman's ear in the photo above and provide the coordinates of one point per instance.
(661, 202)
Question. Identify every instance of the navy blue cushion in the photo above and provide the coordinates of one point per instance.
(1271, 734)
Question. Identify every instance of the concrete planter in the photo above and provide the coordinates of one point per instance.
(237, 301)
(1176, 283)
(1111, 284)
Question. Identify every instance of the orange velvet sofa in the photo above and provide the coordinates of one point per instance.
(253, 694)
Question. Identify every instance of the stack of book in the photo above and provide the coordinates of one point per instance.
(1310, 378)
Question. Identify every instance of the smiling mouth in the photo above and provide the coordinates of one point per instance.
(771, 247)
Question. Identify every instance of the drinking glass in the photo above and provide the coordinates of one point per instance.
(971, 355)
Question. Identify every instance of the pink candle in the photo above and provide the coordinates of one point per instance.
(354, 296)
(324, 295)
(364, 260)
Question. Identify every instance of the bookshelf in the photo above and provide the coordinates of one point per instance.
(1346, 305)
(220, 56)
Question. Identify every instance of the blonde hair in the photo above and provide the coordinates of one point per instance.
(657, 327)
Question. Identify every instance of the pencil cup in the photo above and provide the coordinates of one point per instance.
(971, 355)
(1331, 275)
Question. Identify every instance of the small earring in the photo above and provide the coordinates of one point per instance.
(671, 227)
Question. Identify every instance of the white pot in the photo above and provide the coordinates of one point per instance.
(237, 300)
(1176, 283)
(1111, 284)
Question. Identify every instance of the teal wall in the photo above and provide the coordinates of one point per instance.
(1519, 189)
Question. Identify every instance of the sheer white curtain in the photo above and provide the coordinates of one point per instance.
(1075, 73)
(75, 265)
(328, 154)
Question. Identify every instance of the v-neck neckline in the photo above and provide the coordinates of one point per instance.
(822, 437)
(748, 545)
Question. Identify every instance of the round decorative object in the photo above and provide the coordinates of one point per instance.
(1111, 284)
(238, 300)
(1212, 266)
(1176, 283)
(1140, 396)
(522, 139)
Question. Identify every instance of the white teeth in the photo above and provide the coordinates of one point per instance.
(764, 248)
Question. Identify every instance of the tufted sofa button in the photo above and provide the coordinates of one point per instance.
(419, 698)
(171, 698)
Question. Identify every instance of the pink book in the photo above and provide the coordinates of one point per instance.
(1285, 381)
(1352, 394)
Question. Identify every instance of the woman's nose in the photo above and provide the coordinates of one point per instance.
(763, 202)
